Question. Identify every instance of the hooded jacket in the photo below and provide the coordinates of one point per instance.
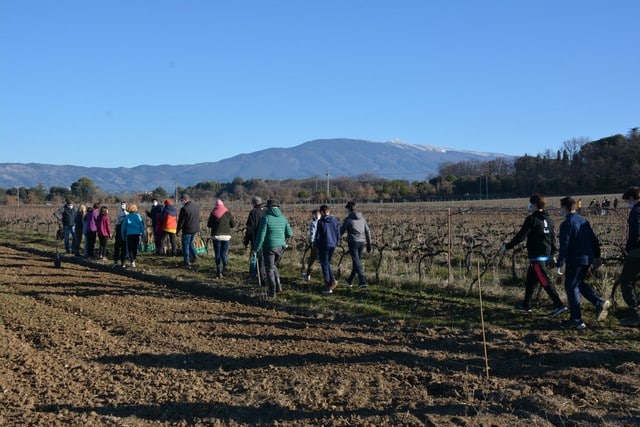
(169, 219)
(541, 239)
(356, 228)
(327, 232)
(274, 230)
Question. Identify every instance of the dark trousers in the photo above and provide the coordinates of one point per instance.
(91, 243)
(628, 278)
(355, 250)
(324, 256)
(120, 246)
(133, 241)
(575, 286)
(537, 273)
(103, 245)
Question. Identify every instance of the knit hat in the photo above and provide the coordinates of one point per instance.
(168, 202)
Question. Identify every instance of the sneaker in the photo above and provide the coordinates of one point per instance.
(307, 277)
(348, 284)
(133, 264)
(362, 286)
(327, 291)
(523, 308)
(573, 324)
(558, 311)
(303, 276)
(602, 310)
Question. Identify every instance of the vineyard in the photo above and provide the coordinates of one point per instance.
(85, 344)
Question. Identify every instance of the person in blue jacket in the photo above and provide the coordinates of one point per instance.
(132, 231)
(580, 250)
(327, 238)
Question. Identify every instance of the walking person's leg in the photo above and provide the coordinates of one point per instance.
(224, 254)
(217, 251)
(573, 277)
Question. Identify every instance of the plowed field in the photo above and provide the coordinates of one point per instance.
(87, 346)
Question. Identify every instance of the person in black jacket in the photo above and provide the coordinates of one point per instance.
(253, 222)
(631, 268)
(541, 245)
(189, 225)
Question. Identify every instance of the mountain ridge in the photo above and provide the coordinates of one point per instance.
(338, 157)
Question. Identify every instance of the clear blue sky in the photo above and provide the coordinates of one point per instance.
(130, 82)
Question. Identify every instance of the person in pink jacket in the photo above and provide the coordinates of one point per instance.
(103, 224)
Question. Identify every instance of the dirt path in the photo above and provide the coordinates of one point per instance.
(87, 347)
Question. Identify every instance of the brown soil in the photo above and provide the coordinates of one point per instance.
(88, 346)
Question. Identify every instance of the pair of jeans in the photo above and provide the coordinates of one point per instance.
(272, 257)
(221, 250)
(68, 230)
(324, 256)
(355, 250)
(188, 248)
(574, 286)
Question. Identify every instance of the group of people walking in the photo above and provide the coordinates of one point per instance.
(579, 253)
(268, 230)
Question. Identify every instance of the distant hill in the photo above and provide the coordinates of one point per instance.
(340, 157)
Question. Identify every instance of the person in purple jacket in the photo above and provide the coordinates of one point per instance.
(92, 229)
(327, 238)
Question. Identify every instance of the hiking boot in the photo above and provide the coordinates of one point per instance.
(558, 311)
(577, 325)
(602, 310)
(523, 308)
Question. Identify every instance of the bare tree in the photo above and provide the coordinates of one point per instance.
(572, 146)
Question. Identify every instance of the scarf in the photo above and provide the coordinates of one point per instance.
(219, 209)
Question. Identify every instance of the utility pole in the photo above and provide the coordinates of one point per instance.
(328, 194)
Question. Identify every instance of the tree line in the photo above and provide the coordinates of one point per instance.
(580, 166)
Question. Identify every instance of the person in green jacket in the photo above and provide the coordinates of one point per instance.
(271, 239)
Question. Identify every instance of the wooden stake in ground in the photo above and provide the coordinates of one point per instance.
(484, 338)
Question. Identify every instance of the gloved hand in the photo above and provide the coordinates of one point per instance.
(369, 248)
